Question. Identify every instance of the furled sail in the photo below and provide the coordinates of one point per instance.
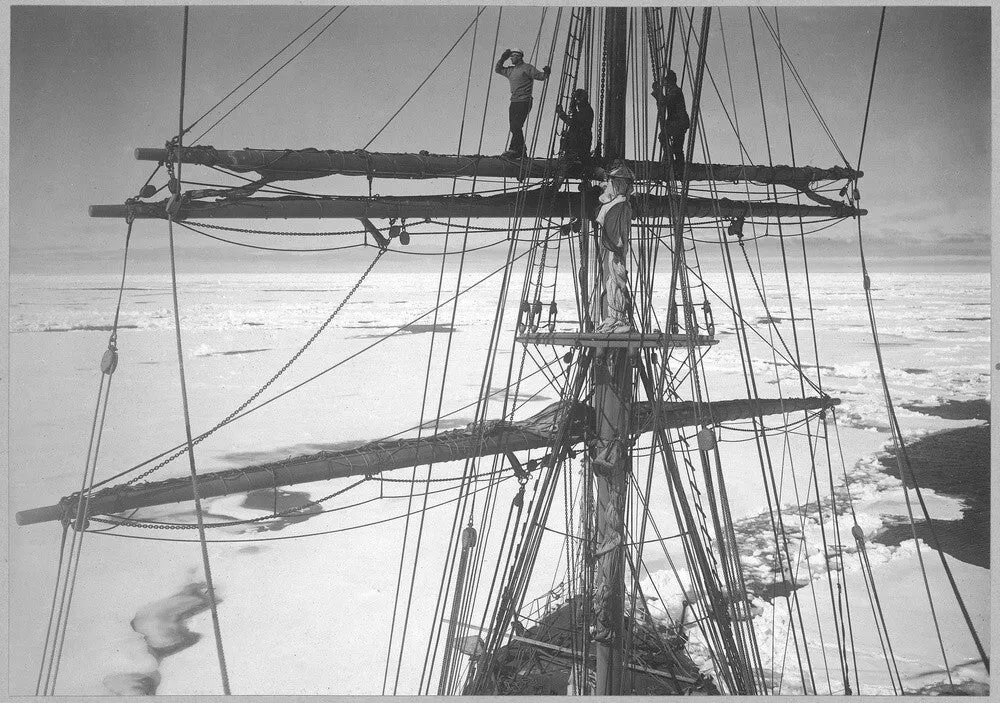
(298, 164)
(477, 439)
(537, 202)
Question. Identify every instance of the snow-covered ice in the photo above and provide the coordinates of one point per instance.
(312, 615)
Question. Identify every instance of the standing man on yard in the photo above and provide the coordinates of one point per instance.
(671, 113)
(521, 76)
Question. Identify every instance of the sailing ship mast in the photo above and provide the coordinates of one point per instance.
(612, 383)
(617, 365)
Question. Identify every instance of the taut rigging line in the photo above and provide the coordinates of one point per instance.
(176, 191)
(902, 459)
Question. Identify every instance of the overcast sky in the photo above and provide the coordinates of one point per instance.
(89, 84)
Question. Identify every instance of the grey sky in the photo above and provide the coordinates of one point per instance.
(89, 84)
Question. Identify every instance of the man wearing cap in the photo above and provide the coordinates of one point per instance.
(672, 116)
(576, 138)
(615, 221)
(521, 76)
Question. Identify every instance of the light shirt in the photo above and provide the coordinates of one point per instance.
(521, 78)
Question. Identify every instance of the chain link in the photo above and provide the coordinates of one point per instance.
(243, 230)
(230, 523)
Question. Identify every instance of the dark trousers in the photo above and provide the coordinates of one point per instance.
(672, 141)
(575, 147)
(518, 115)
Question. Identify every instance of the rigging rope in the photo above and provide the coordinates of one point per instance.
(871, 87)
(801, 378)
(66, 583)
(427, 374)
(406, 102)
(354, 355)
(248, 96)
(469, 507)
(298, 536)
(235, 414)
(210, 588)
(902, 458)
(821, 426)
(489, 368)
(262, 66)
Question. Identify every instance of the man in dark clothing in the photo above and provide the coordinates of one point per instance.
(672, 116)
(521, 76)
(574, 145)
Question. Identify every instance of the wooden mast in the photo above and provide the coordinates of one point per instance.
(612, 383)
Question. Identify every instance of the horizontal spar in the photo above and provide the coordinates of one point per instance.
(368, 459)
(535, 203)
(686, 413)
(297, 164)
(491, 438)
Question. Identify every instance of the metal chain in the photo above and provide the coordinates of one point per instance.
(230, 523)
(243, 230)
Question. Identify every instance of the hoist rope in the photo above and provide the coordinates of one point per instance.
(210, 588)
(68, 585)
(49, 632)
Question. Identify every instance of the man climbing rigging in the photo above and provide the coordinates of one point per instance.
(521, 76)
(574, 145)
(672, 117)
